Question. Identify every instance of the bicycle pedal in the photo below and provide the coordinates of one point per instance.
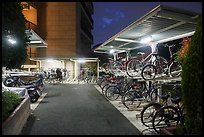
(138, 116)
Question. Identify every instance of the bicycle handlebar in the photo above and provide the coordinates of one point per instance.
(166, 45)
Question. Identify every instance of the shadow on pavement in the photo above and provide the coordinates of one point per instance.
(28, 126)
(52, 95)
(43, 101)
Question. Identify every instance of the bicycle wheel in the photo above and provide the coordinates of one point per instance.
(116, 68)
(105, 67)
(133, 68)
(98, 80)
(105, 88)
(165, 117)
(148, 112)
(131, 99)
(103, 83)
(34, 96)
(148, 72)
(161, 65)
(112, 93)
(153, 94)
(175, 69)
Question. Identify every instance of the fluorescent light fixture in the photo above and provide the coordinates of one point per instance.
(146, 40)
(176, 37)
(81, 60)
(36, 41)
(112, 51)
(50, 60)
(127, 40)
(12, 41)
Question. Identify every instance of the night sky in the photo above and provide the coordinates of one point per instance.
(112, 17)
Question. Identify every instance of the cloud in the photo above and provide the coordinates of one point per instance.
(106, 22)
(111, 17)
(119, 14)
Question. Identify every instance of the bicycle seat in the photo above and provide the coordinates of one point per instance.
(154, 53)
(164, 97)
(176, 100)
(140, 53)
(119, 59)
(110, 59)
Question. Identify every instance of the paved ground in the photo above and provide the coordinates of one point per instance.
(71, 109)
(132, 114)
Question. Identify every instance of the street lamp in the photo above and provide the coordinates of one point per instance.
(12, 41)
(81, 60)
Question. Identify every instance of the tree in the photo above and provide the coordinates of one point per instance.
(13, 27)
(192, 83)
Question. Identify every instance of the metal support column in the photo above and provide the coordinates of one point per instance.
(114, 56)
(98, 68)
(127, 55)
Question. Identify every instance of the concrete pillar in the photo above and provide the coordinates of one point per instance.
(63, 64)
(40, 65)
(98, 69)
(76, 69)
(159, 91)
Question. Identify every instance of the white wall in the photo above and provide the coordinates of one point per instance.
(69, 65)
(51, 65)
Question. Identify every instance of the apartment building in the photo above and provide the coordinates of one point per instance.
(62, 33)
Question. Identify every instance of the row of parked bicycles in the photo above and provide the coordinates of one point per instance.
(148, 66)
(32, 88)
(162, 105)
(56, 75)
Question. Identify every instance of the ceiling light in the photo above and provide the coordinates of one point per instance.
(112, 51)
(12, 41)
(146, 40)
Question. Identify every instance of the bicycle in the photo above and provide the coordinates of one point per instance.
(175, 68)
(136, 66)
(123, 85)
(132, 66)
(170, 114)
(161, 66)
(149, 111)
(138, 93)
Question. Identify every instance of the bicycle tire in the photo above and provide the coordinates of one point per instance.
(133, 68)
(150, 70)
(116, 67)
(129, 99)
(166, 116)
(144, 113)
(162, 63)
(105, 88)
(175, 69)
(103, 83)
(112, 93)
(153, 94)
(33, 97)
(105, 67)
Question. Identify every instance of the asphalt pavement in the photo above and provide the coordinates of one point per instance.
(72, 109)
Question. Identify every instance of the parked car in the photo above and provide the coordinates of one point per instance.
(23, 92)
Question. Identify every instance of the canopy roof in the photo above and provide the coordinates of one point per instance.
(162, 24)
(35, 39)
